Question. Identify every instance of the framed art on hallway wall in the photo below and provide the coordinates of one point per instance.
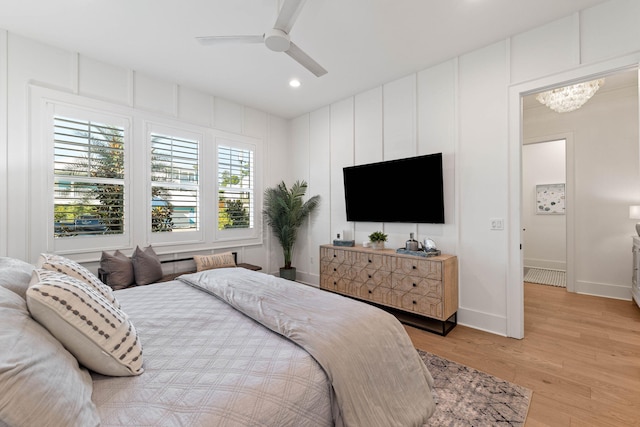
(550, 199)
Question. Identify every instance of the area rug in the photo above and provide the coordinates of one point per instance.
(546, 277)
(467, 397)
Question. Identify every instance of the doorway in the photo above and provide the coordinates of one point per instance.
(602, 226)
(600, 142)
(544, 209)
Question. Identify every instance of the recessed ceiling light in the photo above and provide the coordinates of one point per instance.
(294, 83)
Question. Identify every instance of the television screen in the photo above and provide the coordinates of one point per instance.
(405, 190)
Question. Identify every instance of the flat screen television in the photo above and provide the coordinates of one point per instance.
(405, 190)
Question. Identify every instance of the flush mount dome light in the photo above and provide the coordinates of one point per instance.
(294, 83)
(569, 98)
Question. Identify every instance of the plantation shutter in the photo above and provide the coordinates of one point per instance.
(235, 188)
(89, 173)
(174, 183)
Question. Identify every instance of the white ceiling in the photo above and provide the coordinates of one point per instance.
(362, 43)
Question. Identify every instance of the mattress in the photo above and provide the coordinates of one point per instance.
(207, 364)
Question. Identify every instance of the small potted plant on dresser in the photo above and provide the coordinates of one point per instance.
(285, 211)
(377, 239)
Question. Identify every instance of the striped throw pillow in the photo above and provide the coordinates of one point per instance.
(98, 334)
(71, 268)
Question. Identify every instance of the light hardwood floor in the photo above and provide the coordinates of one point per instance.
(580, 356)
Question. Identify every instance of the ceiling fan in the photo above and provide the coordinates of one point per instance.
(276, 39)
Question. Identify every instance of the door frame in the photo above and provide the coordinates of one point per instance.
(515, 286)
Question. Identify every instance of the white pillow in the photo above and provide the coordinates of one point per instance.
(71, 268)
(15, 275)
(98, 334)
(41, 383)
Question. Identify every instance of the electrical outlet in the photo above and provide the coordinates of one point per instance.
(496, 224)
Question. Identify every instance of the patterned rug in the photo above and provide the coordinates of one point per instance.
(546, 277)
(467, 397)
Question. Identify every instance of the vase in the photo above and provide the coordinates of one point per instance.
(377, 245)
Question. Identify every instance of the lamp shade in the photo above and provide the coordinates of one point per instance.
(634, 212)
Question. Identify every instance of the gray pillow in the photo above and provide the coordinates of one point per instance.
(146, 266)
(15, 275)
(119, 269)
(40, 381)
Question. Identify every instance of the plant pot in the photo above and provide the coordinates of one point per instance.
(377, 245)
(288, 273)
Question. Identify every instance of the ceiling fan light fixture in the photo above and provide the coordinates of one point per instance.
(277, 40)
(569, 98)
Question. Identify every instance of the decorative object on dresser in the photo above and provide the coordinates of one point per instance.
(285, 212)
(341, 242)
(428, 249)
(635, 285)
(419, 291)
(377, 239)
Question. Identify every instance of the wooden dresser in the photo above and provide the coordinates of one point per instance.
(420, 291)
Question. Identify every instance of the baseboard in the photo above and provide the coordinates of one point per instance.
(547, 264)
(312, 279)
(604, 290)
(483, 321)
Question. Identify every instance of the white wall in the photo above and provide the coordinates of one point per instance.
(545, 237)
(25, 63)
(605, 159)
(462, 108)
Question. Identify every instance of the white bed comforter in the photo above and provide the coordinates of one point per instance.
(376, 375)
(206, 364)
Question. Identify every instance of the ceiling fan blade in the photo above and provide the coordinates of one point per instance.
(288, 14)
(211, 40)
(305, 60)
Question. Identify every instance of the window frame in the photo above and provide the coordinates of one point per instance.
(87, 243)
(182, 132)
(254, 232)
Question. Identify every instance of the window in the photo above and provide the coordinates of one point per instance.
(89, 172)
(235, 188)
(174, 183)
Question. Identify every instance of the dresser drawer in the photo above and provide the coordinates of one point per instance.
(377, 261)
(418, 303)
(419, 267)
(372, 275)
(339, 256)
(369, 291)
(336, 284)
(416, 284)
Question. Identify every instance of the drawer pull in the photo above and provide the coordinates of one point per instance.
(414, 302)
(413, 267)
(414, 285)
(369, 290)
(335, 269)
(370, 261)
(369, 276)
(334, 255)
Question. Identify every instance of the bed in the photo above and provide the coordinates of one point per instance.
(223, 347)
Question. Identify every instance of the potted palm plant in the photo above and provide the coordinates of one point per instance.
(285, 211)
